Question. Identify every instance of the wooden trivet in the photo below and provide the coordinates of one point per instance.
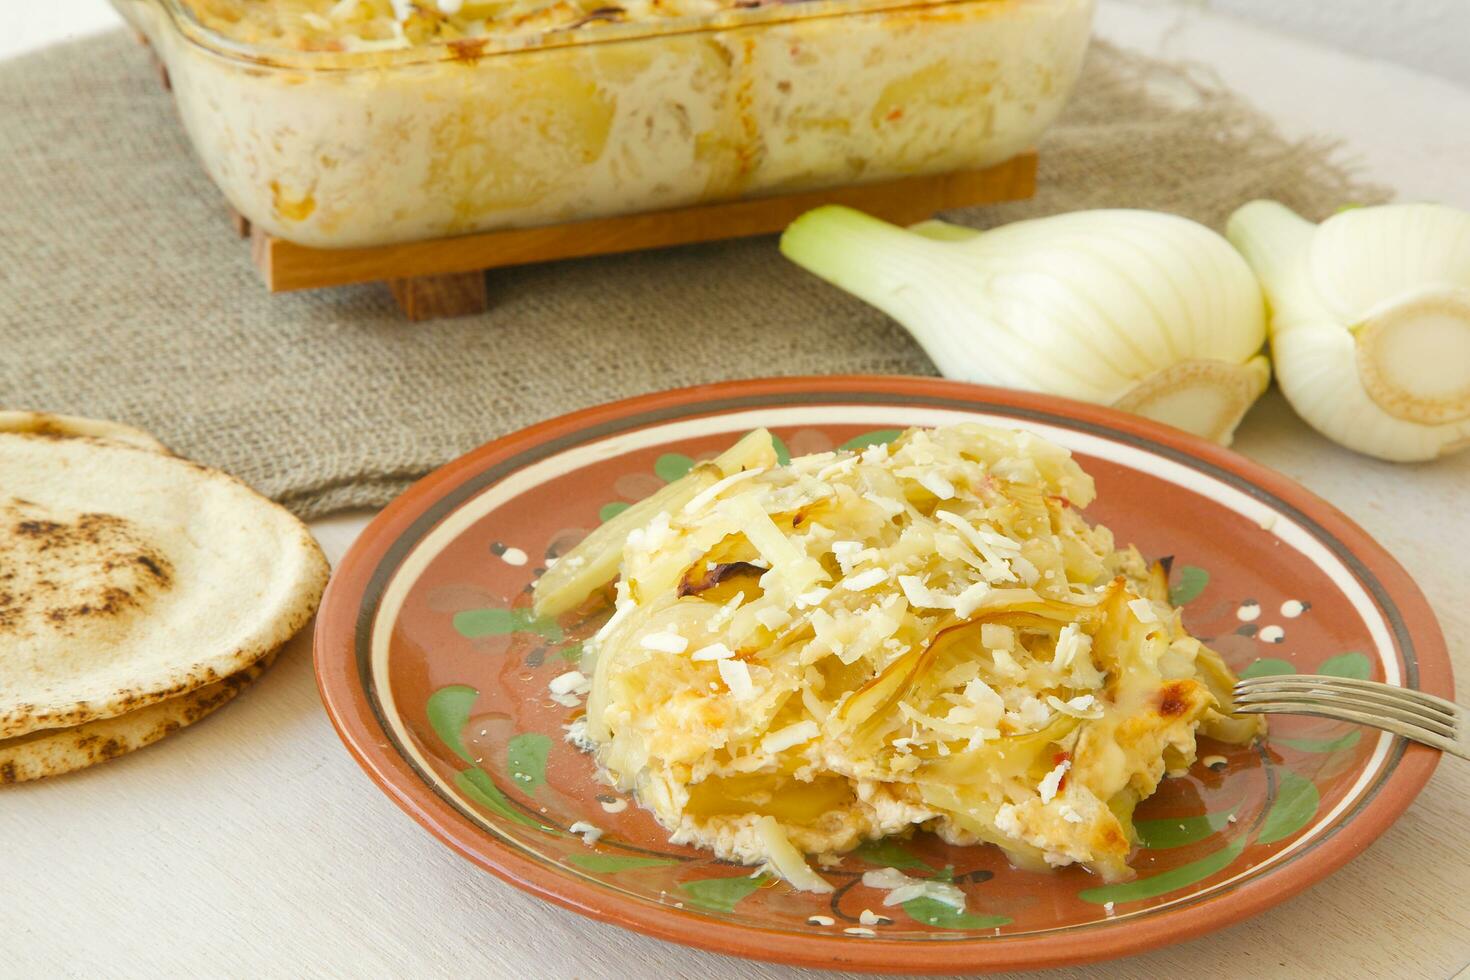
(444, 277)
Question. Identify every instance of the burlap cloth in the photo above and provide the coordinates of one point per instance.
(124, 294)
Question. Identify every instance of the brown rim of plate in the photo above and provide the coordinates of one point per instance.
(347, 612)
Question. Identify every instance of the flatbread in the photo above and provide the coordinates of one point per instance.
(70, 426)
(128, 577)
(52, 752)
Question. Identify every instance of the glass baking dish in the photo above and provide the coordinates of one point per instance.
(358, 148)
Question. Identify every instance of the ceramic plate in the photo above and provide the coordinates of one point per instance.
(435, 674)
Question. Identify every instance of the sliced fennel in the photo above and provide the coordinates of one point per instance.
(1370, 323)
(1148, 312)
(594, 562)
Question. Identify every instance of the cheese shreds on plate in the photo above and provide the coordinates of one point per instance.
(924, 634)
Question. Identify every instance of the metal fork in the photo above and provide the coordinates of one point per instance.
(1413, 714)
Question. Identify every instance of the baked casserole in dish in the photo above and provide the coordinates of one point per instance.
(343, 123)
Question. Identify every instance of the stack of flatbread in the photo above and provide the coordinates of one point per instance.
(139, 591)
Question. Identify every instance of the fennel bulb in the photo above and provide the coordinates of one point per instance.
(1147, 312)
(1370, 321)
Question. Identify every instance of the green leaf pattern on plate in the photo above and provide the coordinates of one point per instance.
(612, 509)
(1340, 744)
(783, 454)
(478, 786)
(874, 438)
(1192, 581)
(1158, 835)
(672, 466)
(613, 863)
(931, 912)
(1352, 664)
(526, 754)
(721, 894)
(1267, 667)
(1167, 881)
(1295, 804)
(474, 623)
(889, 853)
(449, 711)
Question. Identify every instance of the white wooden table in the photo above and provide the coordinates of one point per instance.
(253, 846)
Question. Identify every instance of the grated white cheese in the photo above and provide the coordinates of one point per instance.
(1082, 706)
(812, 598)
(702, 499)
(1068, 814)
(737, 678)
(886, 879)
(1028, 572)
(1143, 610)
(772, 618)
(791, 735)
(664, 642)
(994, 636)
(715, 651)
(622, 609)
(889, 506)
(572, 682)
(820, 920)
(615, 806)
(969, 600)
(936, 484)
(1005, 664)
(512, 556)
(577, 734)
(921, 596)
(985, 542)
(901, 888)
(1053, 780)
(588, 832)
(865, 580)
(859, 931)
(1030, 714)
(839, 468)
(1070, 642)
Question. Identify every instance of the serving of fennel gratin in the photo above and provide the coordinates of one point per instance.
(923, 634)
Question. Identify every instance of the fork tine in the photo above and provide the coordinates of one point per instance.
(1407, 730)
(1364, 704)
(1372, 696)
(1349, 683)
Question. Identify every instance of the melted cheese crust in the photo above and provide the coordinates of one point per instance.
(924, 634)
(358, 25)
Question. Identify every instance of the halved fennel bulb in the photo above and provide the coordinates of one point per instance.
(1151, 313)
(1370, 321)
(923, 634)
